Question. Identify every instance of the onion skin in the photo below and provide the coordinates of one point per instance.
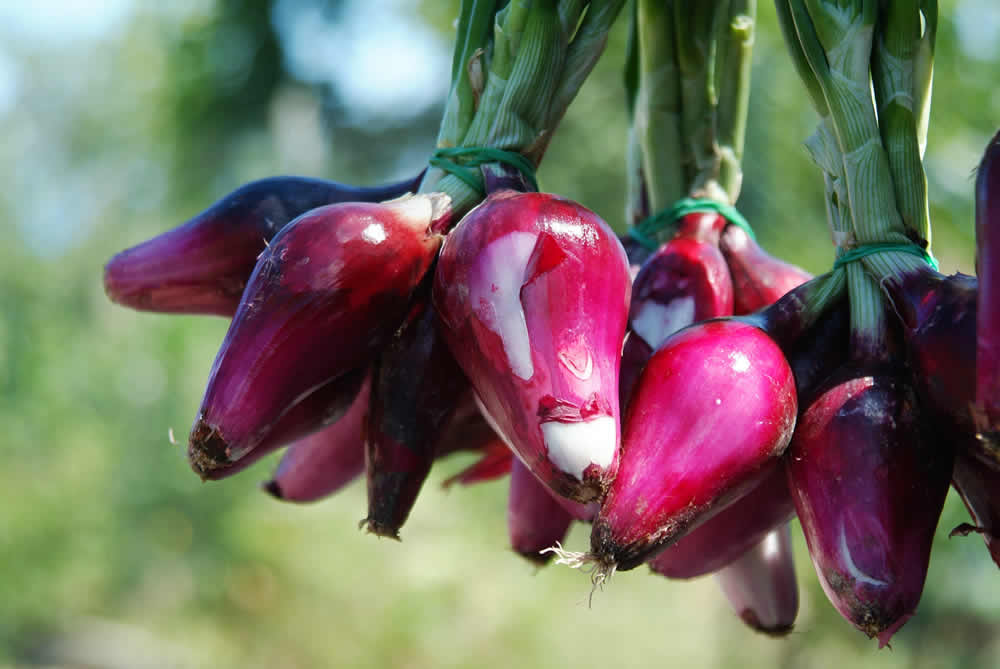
(988, 271)
(760, 586)
(713, 409)
(730, 533)
(979, 488)
(319, 465)
(684, 282)
(533, 291)
(319, 410)
(535, 520)
(759, 279)
(416, 386)
(202, 266)
(869, 482)
(324, 297)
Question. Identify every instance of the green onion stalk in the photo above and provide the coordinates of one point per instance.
(687, 82)
(517, 66)
(870, 151)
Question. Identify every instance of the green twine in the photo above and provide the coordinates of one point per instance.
(646, 231)
(860, 252)
(462, 161)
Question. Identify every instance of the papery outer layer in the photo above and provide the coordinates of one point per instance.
(532, 291)
(869, 481)
(535, 520)
(323, 298)
(203, 265)
(760, 585)
(731, 532)
(714, 407)
(325, 461)
(417, 385)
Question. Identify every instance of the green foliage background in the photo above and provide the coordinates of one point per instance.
(113, 554)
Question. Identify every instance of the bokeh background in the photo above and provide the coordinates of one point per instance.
(121, 118)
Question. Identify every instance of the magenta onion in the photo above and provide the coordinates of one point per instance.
(760, 586)
(494, 462)
(869, 481)
(324, 462)
(759, 278)
(202, 266)
(535, 520)
(714, 407)
(532, 291)
(416, 387)
(322, 300)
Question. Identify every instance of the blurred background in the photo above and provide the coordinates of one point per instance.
(120, 119)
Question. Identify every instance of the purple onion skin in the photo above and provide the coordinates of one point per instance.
(324, 297)
(535, 520)
(322, 463)
(495, 462)
(712, 411)
(533, 291)
(466, 430)
(979, 488)
(684, 282)
(988, 271)
(730, 533)
(869, 482)
(759, 279)
(202, 266)
(416, 388)
(760, 586)
(316, 412)
(938, 314)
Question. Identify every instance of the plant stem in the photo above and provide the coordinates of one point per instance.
(733, 84)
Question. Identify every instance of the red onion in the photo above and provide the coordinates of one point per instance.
(416, 386)
(730, 533)
(496, 461)
(988, 271)
(322, 463)
(869, 481)
(535, 520)
(202, 266)
(684, 282)
(711, 411)
(759, 278)
(760, 586)
(341, 273)
(532, 291)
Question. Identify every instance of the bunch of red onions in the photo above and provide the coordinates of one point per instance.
(688, 406)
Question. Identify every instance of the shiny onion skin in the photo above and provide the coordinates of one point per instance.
(685, 281)
(760, 585)
(759, 279)
(869, 479)
(712, 411)
(323, 299)
(532, 292)
(417, 385)
(730, 533)
(322, 463)
(202, 266)
(988, 271)
(535, 519)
